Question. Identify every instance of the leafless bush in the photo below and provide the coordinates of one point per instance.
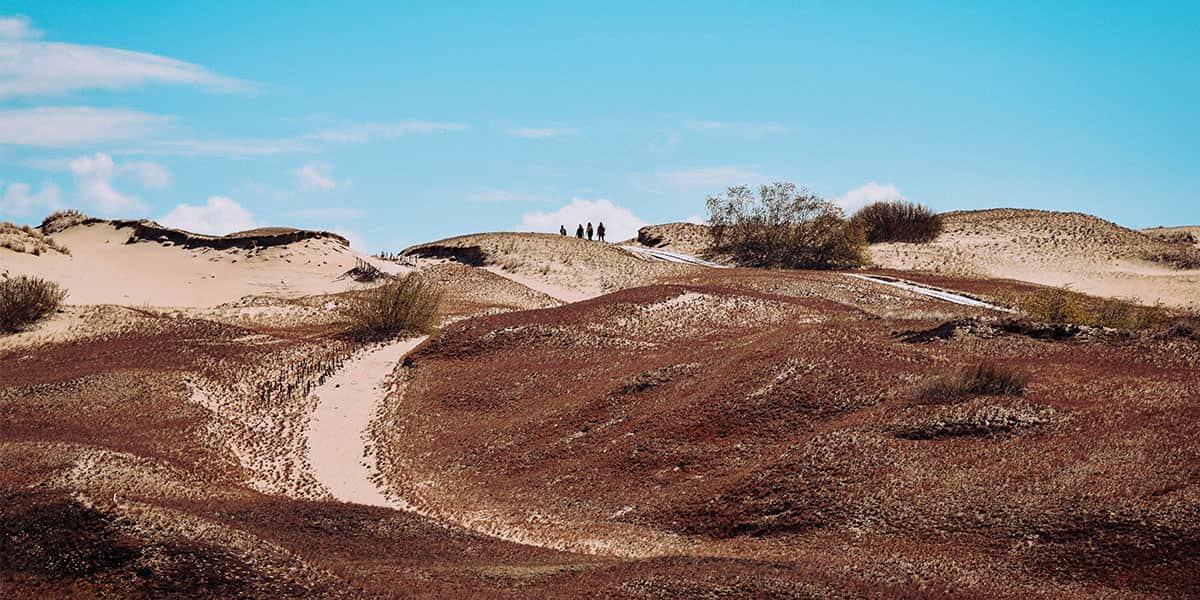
(410, 304)
(898, 221)
(26, 300)
(783, 227)
(984, 379)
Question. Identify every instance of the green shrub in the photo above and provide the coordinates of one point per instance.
(27, 300)
(408, 305)
(984, 379)
(898, 221)
(783, 227)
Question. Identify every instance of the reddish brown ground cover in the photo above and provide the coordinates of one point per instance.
(727, 433)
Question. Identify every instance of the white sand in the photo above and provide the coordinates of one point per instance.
(337, 445)
(557, 292)
(103, 269)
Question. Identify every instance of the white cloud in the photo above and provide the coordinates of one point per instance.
(152, 175)
(710, 178)
(17, 28)
(315, 177)
(93, 177)
(19, 199)
(619, 222)
(218, 216)
(696, 219)
(36, 68)
(58, 127)
(741, 128)
(864, 195)
(541, 132)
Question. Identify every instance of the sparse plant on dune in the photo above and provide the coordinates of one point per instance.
(783, 227)
(410, 304)
(1063, 306)
(27, 300)
(1055, 305)
(60, 220)
(984, 379)
(898, 221)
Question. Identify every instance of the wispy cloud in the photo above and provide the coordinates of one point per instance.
(708, 177)
(372, 132)
(744, 128)
(20, 200)
(314, 177)
(67, 126)
(541, 132)
(94, 177)
(30, 67)
(308, 142)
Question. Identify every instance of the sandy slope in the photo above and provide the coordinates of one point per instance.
(103, 269)
(337, 447)
(1052, 248)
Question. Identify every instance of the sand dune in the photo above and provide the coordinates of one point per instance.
(102, 268)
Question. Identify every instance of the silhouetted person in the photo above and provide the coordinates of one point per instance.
(579, 232)
(600, 231)
(562, 230)
(589, 230)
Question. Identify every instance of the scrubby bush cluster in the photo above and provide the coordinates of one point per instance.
(984, 379)
(1183, 257)
(898, 221)
(410, 304)
(783, 227)
(27, 300)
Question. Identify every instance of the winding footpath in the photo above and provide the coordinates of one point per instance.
(337, 443)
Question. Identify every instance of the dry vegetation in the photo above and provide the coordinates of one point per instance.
(983, 379)
(26, 300)
(898, 221)
(1061, 305)
(409, 304)
(783, 227)
(28, 240)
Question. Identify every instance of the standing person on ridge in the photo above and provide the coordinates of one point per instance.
(579, 232)
(589, 230)
(600, 231)
(562, 230)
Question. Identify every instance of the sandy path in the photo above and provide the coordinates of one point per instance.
(670, 256)
(557, 292)
(336, 444)
(930, 291)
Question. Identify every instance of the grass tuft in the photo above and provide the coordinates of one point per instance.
(984, 379)
(409, 305)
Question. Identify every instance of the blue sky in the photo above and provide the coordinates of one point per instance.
(396, 123)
